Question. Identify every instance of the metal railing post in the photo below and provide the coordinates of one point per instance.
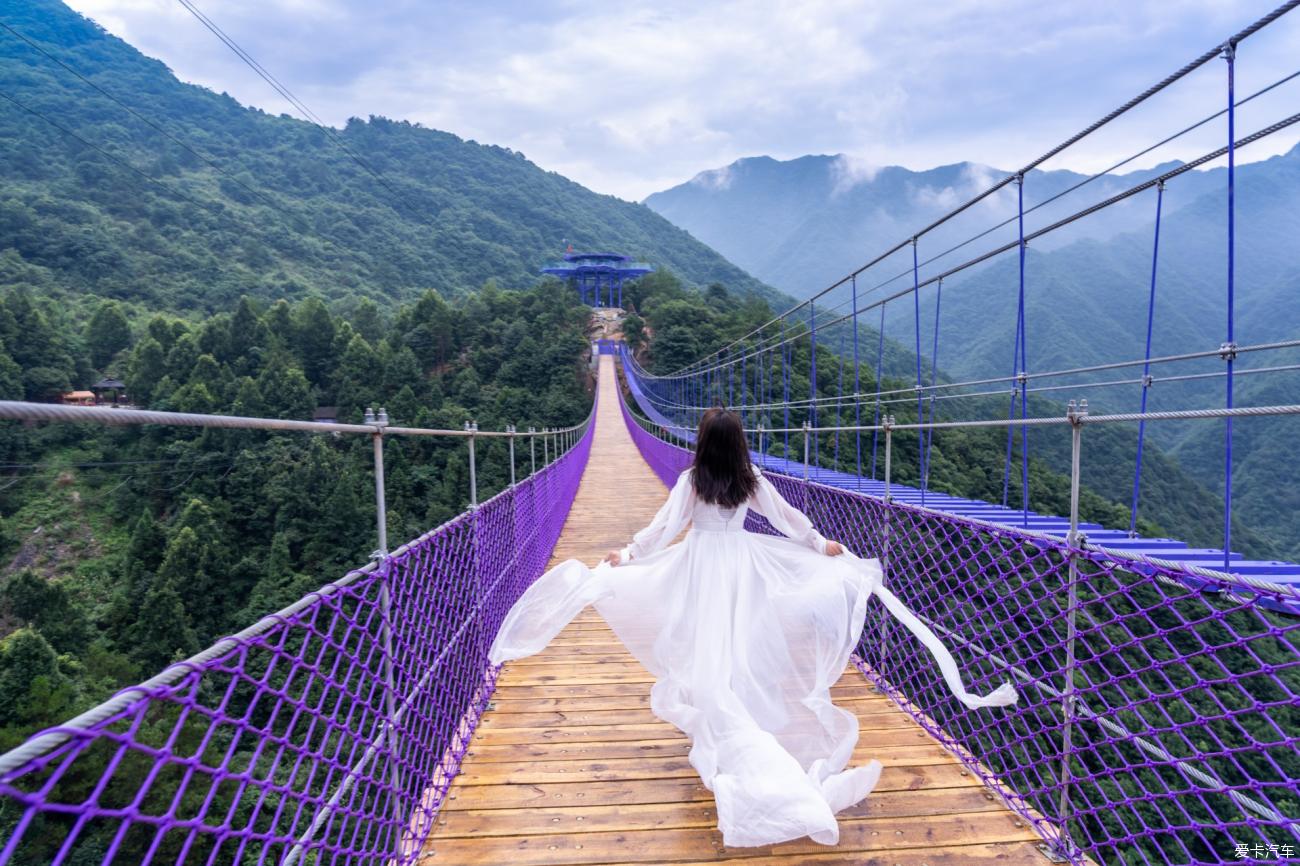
(532, 450)
(807, 439)
(388, 734)
(887, 423)
(510, 428)
(1076, 414)
(546, 446)
(379, 422)
(471, 427)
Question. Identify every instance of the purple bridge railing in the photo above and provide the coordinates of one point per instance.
(1160, 712)
(328, 732)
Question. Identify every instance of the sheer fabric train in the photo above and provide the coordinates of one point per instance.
(745, 634)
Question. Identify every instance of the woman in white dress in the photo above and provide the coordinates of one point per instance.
(745, 634)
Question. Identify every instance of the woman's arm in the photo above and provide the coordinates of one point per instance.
(671, 519)
(788, 520)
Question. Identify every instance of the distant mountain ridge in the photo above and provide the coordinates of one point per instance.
(289, 212)
(803, 223)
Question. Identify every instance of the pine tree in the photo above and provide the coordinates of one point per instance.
(107, 333)
(33, 688)
(164, 628)
(11, 377)
(286, 393)
(147, 368)
(163, 633)
(314, 331)
(46, 606)
(279, 586)
(354, 380)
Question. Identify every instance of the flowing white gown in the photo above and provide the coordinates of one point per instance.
(745, 634)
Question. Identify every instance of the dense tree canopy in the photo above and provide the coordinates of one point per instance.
(145, 544)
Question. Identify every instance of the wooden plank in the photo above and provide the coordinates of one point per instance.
(676, 745)
(1001, 854)
(642, 716)
(596, 818)
(902, 778)
(574, 660)
(551, 690)
(578, 675)
(580, 653)
(868, 728)
(668, 845)
(505, 701)
(619, 769)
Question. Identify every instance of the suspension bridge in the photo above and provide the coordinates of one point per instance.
(363, 724)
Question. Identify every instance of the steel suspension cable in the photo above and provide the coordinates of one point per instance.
(1146, 368)
(1230, 54)
(880, 368)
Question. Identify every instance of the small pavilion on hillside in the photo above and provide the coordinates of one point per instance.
(597, 277)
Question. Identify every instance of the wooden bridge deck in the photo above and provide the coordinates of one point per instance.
(569, 766)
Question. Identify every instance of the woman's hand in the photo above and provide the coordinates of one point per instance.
(613, 557)
(833, 548)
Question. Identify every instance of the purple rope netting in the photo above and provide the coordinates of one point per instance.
(1184, 714)
(312, 741)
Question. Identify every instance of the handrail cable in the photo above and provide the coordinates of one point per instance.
(993, 380)
(17, 410)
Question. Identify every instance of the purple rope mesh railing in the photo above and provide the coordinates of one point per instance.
(327, 733)
(1159, 717)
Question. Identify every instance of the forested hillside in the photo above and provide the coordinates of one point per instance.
(124, 549)
(194, 200)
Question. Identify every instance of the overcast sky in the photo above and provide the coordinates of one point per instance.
(629, 98)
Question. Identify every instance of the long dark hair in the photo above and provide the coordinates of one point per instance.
(723, 474)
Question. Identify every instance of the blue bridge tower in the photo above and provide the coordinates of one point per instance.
(598, 277)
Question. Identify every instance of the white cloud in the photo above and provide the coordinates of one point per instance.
(714, 179)
(848, 171)
(629, 98)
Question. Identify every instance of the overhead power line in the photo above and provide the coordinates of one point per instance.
(109, 154)
(301, 106)
(142, 118)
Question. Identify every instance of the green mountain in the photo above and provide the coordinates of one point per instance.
(208, 200)
(1086, 293)
(802, 224)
